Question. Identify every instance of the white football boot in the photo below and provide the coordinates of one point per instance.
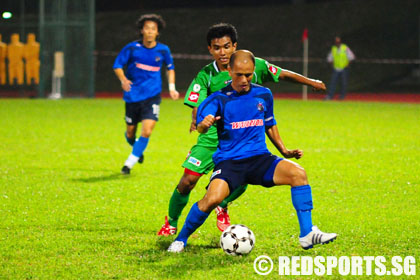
(316, 237)
(176, 247)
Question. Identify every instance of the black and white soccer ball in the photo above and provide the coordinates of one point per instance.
(237, 240)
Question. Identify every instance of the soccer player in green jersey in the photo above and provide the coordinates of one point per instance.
(222, 42)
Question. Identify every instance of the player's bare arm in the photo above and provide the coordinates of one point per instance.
(274, 136)
(171, 80)
(291, 76)
(125, 83)
(207, 122)
(193, 125)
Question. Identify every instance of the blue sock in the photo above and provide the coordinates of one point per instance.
(194, 220)
(302, 201)
(139, 146)
(130, 140)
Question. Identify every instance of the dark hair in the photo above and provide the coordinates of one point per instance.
(243, 52)
(220, 30)
(152, 17)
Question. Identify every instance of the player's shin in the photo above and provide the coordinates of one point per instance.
(233, 196)
(302, 201)
(176, 205)
(194, 220)
(139, 146)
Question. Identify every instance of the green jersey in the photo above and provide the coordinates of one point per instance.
(210, 79)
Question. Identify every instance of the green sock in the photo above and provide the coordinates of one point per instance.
(234, 195)
(176, 205)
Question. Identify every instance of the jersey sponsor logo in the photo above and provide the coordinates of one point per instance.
(260, 107)
(216, 173)
(148, 67)
(193, 97)
(245, 124)
(196, 88)
(272, 69)
(194, 161)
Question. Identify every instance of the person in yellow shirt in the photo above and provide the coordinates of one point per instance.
(340, 58)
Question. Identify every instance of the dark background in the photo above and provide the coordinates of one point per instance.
(376, 31)
(373, 29)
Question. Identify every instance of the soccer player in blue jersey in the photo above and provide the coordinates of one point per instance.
(141, 82)
(243, 112)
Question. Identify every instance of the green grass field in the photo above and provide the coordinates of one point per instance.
(67, 213)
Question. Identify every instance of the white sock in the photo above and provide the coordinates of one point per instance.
(132, 159)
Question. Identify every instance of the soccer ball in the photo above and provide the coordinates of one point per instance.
(237, 240)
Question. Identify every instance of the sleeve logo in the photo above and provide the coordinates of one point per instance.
(196, 88)
(193, 97)
(272, 69)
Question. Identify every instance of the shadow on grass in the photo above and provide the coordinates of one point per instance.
(196, 258)
(110, 177)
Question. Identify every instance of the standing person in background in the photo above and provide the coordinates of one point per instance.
(340, 57)
(142, 84)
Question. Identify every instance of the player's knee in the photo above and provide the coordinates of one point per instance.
(298, 175)
(187, 183)
(209, 203)
(146, 132)
(131, 134)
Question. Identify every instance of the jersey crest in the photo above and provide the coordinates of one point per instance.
(260, 107)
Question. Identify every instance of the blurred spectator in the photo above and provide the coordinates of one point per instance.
(340, 57)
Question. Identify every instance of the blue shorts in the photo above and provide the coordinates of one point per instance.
(143, 110)
(256, 170)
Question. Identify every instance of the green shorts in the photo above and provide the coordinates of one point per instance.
(200, 159)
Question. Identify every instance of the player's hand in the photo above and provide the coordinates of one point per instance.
(126, 85)
(318, 85)
(207, 122)
(174, 94)
(193, 126)
(297, 154)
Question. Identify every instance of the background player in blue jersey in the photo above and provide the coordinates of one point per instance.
(142, 84)
(244, 114)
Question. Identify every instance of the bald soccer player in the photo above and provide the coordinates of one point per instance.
(243, 112)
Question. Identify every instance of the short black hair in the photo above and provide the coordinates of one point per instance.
(220, 30)
(152, 17)
(234, 55)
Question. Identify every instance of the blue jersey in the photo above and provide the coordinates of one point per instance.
(143, 69)
(241, 129)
